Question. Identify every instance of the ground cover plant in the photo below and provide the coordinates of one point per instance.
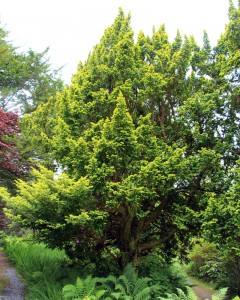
(42, 268)
(49, 274)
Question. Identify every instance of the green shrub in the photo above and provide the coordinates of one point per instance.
(167, 277)
(221, 268)
(190, 295)
(83, 289)
(206, 262)
(231, 266)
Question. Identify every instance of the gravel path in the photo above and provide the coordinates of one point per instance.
(201, 292)
(15, 287)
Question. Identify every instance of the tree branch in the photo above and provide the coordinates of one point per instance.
(152, 244)
(150, 218)
(128, 224)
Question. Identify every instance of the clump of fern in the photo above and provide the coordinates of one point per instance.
(168, 277)
(180, 295)
(190, 295)
(84, 289)
(128, 286)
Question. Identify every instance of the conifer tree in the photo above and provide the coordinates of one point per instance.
(152, 128)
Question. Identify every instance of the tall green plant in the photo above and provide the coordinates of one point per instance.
(190, 295)
(125, 287)
(84, 289)
(129, 286)
(133, 198)
(167, 276)
(42, 268)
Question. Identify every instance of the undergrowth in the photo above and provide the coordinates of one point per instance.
(45, 270)
(49, 275)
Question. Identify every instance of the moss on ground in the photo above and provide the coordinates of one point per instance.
(4, 281)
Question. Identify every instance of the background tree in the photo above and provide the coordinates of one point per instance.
(26, 79)
(222, 226)
(26, 82)
(11, 164)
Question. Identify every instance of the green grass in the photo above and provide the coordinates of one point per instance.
(44, 270)
(3, 281)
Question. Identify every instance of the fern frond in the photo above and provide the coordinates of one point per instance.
(220, 295)
(182, 295)
(100, 293)
(127, 283)
(189, 295)
(130, 273)
(140, 285)
(143, 294)
(123, 288)
(79, 287)
(69, 291)
(109, 283)
(84, 289)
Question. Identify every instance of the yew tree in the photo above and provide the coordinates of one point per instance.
(139, 193)
(151, 129)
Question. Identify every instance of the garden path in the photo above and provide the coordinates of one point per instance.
(201, 291)
(13, 285)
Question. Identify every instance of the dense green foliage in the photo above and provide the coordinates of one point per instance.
(26, 79)
(49, 274)
(126, 286)
(206, 263)
(216, 265)
(123, 205)
(167, 277)
(146, 141)
(189, 295)
(44, 270)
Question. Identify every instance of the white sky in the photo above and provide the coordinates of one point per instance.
(72, 27)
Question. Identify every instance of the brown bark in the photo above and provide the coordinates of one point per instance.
(154, 215)
(152, 244)
(3, 219)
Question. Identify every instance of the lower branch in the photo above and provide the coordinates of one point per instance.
(152, 244)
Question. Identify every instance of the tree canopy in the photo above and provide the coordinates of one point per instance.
(146, 136)
(26, 79)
